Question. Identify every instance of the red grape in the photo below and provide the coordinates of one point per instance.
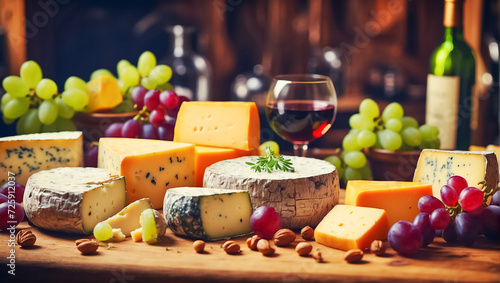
(91, 157)
(265, 221)
(149, 132)
(495, 199)
(404, 237)
(131, 129)
(173, 112)
(152, 99)
(440, 218)
(449, 195)
(490, 218)
(467, 228)
(10, 216)
(423, 223)
(429, 204)
(458, 183)
(450, 233)
(157, 116)
(166, 131)
(14, 189)
(3, 198)
(114, 130)
(137, 96)
(169, 99)
(471, 198)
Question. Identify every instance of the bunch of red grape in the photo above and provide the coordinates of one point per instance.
(461, 215)
(11, 210)
(265, 221)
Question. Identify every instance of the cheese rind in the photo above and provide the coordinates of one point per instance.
(352, 227)
(398, 199)
(207, 213)
(73, 199)
(437, 166)
(25, 155)
(302, 197)
(227, 124)
(150, 167)
(128, 218)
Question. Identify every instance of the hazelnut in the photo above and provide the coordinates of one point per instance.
(231, 247)
(352, 256)
(252, 242)
(307, 233)
(199, 246)
(284, 237)
(25, 238)
(303, 248)
(264, 247)
(378, 247)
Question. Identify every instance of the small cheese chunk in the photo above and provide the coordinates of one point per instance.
(206, 213)
(118, 235)
(104, 94)
(150, 167)
(25, 155)
(127, 219)
(398, 199)
(220, 124)
(73, 199)
(437, 166)
(352, 227)
(136, 235)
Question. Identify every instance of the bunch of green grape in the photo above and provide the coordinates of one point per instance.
(36, 103)
(391, 131)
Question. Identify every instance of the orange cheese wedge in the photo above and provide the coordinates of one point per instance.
(104, 94)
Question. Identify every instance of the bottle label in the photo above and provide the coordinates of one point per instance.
(442, 107)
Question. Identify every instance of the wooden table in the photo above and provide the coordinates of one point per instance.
(55, 258)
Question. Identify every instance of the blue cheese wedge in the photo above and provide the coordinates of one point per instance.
(25, 155)
(74, 199)
(207, 213)
(302, 197)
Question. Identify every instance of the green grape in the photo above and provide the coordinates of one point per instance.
(125, 107)
(165, 86)
(76, 98)
(409, 122)
(390, 140)
(46, 88)
(352, 174)
(366, 172)
(272, 145)
(130, 76)
(393, 110)
(148, 224)
(8, 121)
(334, 160)
(31, 73)
(103, 231)
(75, 82)
(360, 122)
(6, 98)
(20, 125)
(100, 72)
(366, 138)
(148, 83)
(64, 110)
(65, 124)
(47, 111)
(431, 144)
(15, 86)
(341, 172)
(354, 131)
(146, 63)
(411, 136)
(378, 144)
(350, 143)
(161, 74)
(30, 122)
(16, 107)
(369, 108)
(394, 125)
(49, 128)
(355, 159)
(122, 64)
(428, 132)
(406, 147)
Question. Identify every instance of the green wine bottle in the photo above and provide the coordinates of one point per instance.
(450, 82)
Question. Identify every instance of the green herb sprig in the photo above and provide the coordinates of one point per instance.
(271, 162)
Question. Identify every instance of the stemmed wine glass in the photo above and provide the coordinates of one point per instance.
(301, 108)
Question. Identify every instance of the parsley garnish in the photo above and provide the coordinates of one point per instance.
(271, 162)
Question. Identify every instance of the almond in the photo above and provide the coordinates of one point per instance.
(252, 242)
(307, 233)
(199, 246)
(264, 247)
(231, 247)
(88, 247)
(352, 256)
(378, 247)
(303, 248)
(284, 237)
(79, 241)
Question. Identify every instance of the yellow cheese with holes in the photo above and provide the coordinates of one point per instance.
(128, 218)
(398, 199)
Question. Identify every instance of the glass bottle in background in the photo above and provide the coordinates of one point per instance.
(327, 62)
(450, 82)
(191, 72)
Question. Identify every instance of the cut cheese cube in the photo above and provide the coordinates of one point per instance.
(220, 124)
(150, 167)
(118, 235)
(136, 235)
(104, 94)
(207, 213)
(73, 199)
(437, 166)
(398, 199)
(348, 227)
(25, 155)
(127, 219)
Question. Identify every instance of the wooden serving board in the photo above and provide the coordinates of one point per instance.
(55, 258)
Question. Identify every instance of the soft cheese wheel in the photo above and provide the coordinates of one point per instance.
(25, 155)
(73, 199)
(302, 197)
(227, 124)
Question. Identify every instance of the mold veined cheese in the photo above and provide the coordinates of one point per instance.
(436, 166)
(207, 213)
(221, 124)
(25, 155)
(73, 199)
(128, 218)
(302, 197)
(150, 167)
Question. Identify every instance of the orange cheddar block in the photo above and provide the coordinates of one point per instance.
(348, 227)
(104, 94)
(226, 124)
(398, 199)
(150, 167)
(206, 156)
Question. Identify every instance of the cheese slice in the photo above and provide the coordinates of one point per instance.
(24, 155)
(73, 199)
(352, 227)
(128, 218)
(398, 199)
(437, 166)
(220, 124)
(207, 213)
(150, 167)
